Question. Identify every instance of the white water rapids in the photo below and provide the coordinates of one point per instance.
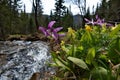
(23, 59)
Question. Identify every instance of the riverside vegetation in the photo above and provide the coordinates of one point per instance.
(90, 53)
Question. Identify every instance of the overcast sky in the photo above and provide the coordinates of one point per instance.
(48, 5)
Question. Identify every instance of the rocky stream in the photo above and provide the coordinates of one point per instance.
(24, 60)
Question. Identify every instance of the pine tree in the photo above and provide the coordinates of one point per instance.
(4, 18)
(103, 8)
(9, 17)
(59, 11)
(115, 9)
(67, 20)
(110, 10)
(97, 9)
(31, 25)
(15, 7)
(51, 16)
(87, 15)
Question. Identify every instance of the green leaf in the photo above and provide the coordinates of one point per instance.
(58, 62)
(90, 55)
(115, 31)
(78, 62)
(99, 73)
(87, 38)
(62, 64)
(114, 50)
(67, 49)
(53, 65)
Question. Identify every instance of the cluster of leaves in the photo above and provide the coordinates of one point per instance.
(89, 54)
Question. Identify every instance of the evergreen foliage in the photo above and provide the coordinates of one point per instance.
(14, 20)
(110, 10)
(60, 11)
(67, 19)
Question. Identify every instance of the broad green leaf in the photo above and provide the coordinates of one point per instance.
(90, 55)
(59, 62)
(116, 30)
(73, 50)
(84, 36)
(99, 73)
(114, 50)
(87, 38)
(53, 65)
(78, 62)
(62, 64)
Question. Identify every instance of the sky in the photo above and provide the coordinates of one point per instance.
(48, 5)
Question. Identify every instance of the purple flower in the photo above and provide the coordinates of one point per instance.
(98, 21)
(102, 22)
(44, 30)
(50, 31)
(90, 21)
(109, 25)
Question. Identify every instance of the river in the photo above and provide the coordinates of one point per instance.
(20, 60)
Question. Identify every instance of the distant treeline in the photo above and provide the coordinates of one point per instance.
(13, 20)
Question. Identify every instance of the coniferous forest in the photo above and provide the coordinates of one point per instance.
(15, 20)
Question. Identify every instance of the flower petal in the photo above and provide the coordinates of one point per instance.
(51, 24)
(87, 20)
(58, 29)
(109, 25)
(55, 35)
(44, 30)
(96, 17)
(99, 20)
(102, 21)
(92, 22)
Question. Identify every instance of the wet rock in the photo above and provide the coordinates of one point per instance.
(20, 60)
(3, 59)
(35, 76)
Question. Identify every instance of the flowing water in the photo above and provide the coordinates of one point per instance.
(19, 60)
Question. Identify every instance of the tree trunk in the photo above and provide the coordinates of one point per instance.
(36, 20)
(35, 8)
